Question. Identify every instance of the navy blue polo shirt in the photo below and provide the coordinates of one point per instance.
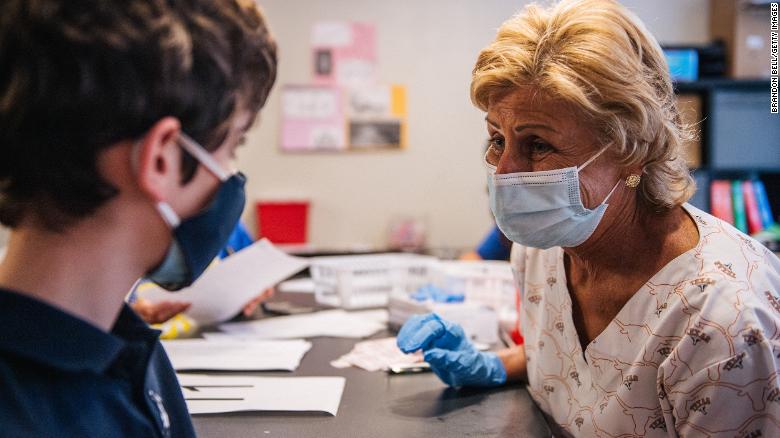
(61, 376)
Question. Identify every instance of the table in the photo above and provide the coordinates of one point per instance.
(375, 404)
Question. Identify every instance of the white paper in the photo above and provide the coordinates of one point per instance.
(334, 323)
(226, 287)
(370, 102)
(311, 103)
(234, 355)
(331, 34)
(219, 394)
(297, 285)
(376, 355)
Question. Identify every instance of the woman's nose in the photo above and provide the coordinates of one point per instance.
(512, 163)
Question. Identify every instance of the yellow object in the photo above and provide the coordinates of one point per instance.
(398, 100)
(398, 109)
(180, 326)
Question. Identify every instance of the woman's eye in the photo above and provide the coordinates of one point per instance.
(496, 143)
(538, 147)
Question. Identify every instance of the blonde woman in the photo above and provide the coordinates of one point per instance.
(642, 315)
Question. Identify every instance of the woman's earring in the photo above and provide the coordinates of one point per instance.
(633, 181)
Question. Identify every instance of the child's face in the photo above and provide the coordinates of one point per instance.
(195, 195)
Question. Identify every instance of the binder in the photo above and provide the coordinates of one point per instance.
(738, 204)
(754, 222)
(720, 200)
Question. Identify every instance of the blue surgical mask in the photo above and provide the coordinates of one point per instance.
(197, 240)
(543, 209)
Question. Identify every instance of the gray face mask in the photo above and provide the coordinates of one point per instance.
(543, 209)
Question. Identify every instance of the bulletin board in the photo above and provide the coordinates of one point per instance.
(344, 108)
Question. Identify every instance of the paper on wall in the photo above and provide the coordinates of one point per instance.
(226, 287)
(344, 53)
(377, 116)
(219, 394)
(232, 355)
(312, 118)
(331, 34)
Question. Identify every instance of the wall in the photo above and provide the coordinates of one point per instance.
(430, 46)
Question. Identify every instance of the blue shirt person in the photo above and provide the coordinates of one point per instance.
(119, 123)
(238, 240)
(64, 377)
(494, 246)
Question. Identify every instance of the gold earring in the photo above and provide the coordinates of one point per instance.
(633, 181)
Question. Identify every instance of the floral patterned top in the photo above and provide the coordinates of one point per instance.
(694, 352)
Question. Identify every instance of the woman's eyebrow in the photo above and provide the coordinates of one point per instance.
(519, 128)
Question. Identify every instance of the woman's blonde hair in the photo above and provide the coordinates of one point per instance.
(598, 57)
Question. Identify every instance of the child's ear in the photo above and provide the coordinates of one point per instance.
(159, 159)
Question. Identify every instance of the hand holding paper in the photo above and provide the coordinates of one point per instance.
(226, 287)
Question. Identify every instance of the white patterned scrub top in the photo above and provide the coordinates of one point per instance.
(694, 352)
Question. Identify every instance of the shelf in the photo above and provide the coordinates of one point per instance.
(736, 170)
(721, 83)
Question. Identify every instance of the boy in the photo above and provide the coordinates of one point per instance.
(119, 120)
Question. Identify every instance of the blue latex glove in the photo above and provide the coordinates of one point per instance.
(451, 356)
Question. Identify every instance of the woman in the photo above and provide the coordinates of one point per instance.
(642, 315)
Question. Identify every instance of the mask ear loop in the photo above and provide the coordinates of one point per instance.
(166, 211)
(200, 154)
(169, 216)
(590, 160)
(611, 192)
(491, 168)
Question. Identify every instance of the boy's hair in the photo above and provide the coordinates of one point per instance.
(77, 76)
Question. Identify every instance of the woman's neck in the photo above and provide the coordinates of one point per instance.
(633, 245)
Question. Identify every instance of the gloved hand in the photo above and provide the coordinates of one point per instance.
(451, 356)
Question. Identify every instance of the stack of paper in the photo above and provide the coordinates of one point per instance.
(333, 323)
(232, 355)
(218, 394)
(376, 355)
(226, 287)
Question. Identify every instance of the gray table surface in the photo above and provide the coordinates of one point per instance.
(375, 404)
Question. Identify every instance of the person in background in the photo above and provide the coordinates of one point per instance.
(119, 123)
(238, 240)
(642, 315)
(495, 246)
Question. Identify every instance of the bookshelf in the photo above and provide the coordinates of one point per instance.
(739, 137)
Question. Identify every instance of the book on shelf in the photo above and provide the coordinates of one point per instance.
(744, 204)
(763, 203)
(738, 204)
(754, 224)
(720, 200)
